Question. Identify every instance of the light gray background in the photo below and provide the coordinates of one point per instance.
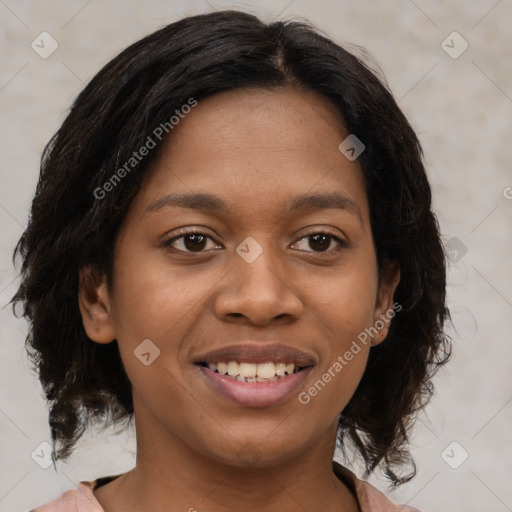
(462, 111)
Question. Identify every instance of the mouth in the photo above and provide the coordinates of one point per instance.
(256, 375)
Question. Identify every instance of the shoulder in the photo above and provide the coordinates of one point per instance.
(369, 497)
(81, 499)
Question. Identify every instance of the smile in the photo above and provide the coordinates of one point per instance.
(254, 385)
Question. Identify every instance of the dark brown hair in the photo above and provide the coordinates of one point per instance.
(70, 227)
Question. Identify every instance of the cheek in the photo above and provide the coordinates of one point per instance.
(153, 300)
(156, 302)
(345, 304)
(345, 301)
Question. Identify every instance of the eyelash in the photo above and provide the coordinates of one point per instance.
(330, 234)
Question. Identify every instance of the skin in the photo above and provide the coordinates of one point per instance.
(255, 149)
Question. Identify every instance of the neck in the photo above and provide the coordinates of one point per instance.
(170, 475)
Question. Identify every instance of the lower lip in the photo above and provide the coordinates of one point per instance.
(256, 394)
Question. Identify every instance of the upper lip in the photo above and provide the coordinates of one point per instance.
(258, 353)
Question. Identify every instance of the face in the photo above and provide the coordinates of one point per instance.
(257, 274)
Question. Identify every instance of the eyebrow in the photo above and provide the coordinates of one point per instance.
(214, 204)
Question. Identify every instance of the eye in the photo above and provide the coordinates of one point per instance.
(192, 241)
(321, 241)
(196, 241)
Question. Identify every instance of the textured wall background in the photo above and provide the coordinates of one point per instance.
(459, 101)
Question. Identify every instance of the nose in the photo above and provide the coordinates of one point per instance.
(259, 292)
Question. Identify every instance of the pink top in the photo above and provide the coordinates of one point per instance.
(82, 499)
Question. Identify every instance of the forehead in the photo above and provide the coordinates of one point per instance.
(262, 119)
(256, 148)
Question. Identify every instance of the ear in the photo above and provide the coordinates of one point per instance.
(94, 304)
(384, 308)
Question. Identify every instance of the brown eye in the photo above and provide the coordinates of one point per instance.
(190, 242)
(320, 242)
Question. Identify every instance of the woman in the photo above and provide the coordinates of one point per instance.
(232, 244)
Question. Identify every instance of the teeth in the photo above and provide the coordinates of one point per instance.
(267, 370)
(233, 369)
(251, 372)
(248, 370)
(280, 368)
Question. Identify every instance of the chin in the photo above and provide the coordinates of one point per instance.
(253, 454)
